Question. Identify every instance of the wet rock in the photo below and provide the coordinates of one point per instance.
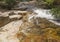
(15, 17)
(25, 6)
(43, 23)
(21, 8)
(4, 21)
(11, 13)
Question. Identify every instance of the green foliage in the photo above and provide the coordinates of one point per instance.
(25, 0)
(49, 1)
(10, 3)
(55, 7)
(7, 4)
(45, 3)
(56, 11)
(0, 0)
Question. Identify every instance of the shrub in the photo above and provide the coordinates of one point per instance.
(25, 0)
(49, 1)
(55, 7)
(10, 3)
(7, 4)
(56, 12)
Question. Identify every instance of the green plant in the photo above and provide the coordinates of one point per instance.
(49, 1)
(55, 7)
(56, 12)
(25, 0)
(10, 3)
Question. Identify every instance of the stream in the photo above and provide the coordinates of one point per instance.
(10, 30)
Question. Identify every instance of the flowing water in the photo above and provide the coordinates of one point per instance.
(44, 13)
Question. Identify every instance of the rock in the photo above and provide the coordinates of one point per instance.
(4, 21)
(43, 23)
(32, 31)
(17, 17)
(39, 29)
(23, 6)
(23, 12)
(11, 13)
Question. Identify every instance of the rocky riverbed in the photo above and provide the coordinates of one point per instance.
(25, 26)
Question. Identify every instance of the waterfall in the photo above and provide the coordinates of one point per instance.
(44, 13)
